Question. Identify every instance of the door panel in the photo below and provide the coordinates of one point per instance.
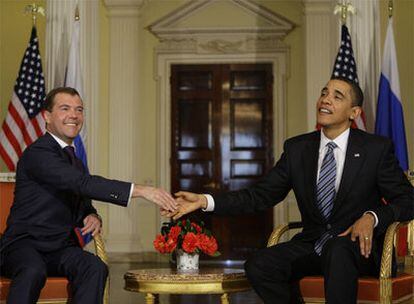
(222, 140)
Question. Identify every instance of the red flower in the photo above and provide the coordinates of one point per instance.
(190, 242)
(170, 245)
(197, 227)
(174, 233)
(159, 243)
(207, 244)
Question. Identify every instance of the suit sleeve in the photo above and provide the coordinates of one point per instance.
(46, 166)
(395, 189)
(269, 191)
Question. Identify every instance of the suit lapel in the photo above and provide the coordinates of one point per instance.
(310, 157)
(355, 156)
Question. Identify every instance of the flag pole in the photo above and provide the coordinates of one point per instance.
(390, 8)
(344, 8)
(77, 18)
(34, 9)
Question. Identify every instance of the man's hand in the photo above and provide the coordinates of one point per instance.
(188, 202)
(363, 229)
(156, 195)
(91, 223)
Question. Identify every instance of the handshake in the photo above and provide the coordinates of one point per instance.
(184, 203)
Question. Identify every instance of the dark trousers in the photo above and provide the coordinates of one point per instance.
(28, 269)
(273, 272)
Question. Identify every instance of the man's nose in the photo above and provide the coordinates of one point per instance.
(327, 99)
(73, 114)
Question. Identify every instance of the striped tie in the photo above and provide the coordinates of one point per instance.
(325, 191)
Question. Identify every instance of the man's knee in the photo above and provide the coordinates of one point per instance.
(98, 267)
(30, 275)
(339, 247)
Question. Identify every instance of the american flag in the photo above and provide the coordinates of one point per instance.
(24, 121)
(345, 66)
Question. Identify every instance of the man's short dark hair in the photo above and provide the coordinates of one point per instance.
(50, 97)
(356, 92)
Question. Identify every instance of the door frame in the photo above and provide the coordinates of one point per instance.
(278, 59)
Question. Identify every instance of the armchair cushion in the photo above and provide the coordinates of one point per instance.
(312, 289)
(56, 289)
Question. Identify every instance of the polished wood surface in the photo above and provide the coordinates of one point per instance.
(222, 140)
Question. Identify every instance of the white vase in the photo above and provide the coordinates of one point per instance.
(187, 261)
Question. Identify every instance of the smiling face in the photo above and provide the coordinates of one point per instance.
(65, 119)
(335, 109)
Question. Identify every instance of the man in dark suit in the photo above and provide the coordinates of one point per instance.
(52, 197)
(339, 176)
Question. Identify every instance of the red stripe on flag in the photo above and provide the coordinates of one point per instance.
(20, 123)
(7, 160)
(36, 126)
(12, 139)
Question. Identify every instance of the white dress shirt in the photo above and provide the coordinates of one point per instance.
(340, 153)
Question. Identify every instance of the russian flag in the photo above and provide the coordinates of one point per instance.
(73, 78)
(390, 119)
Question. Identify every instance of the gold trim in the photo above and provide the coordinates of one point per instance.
(167, 281)
(101, 253)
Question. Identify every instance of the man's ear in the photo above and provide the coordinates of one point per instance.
(355, 112)
(47, 116)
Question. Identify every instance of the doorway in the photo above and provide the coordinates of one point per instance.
(221, 140)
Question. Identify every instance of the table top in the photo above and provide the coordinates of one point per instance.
(202, 281)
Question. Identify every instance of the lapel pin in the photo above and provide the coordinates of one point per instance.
(356, 155)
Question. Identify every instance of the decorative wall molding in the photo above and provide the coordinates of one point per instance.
(122, 231)
(188, 44)
(271, 24)
(321, 47)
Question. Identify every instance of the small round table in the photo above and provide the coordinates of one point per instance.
(170, 281)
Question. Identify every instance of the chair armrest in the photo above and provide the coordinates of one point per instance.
(101, 253)
(387, 251)
(279, 230)
(100, 248)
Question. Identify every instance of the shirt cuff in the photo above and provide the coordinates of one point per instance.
(375, 217)
(130, 193)
(210, 203)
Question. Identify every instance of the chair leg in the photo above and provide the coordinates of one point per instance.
(106, 292)
(225, 298)
(150, 298)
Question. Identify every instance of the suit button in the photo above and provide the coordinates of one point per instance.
(328, 227)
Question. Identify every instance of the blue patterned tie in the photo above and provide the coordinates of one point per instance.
(325, 191)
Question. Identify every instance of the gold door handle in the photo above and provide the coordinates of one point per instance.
(212, 185)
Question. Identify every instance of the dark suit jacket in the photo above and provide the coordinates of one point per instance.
(371, 172)
(44, 210)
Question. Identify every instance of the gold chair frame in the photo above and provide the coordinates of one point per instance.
(386, 258)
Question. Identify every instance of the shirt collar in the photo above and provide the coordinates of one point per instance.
(341, 141)
(61, 143)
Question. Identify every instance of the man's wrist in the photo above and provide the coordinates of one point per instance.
(97, 216)
(203, 201)
(373, 216)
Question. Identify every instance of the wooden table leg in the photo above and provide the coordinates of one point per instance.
(225, 298)
(150, 298)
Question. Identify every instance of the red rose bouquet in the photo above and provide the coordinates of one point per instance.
(187, 236)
